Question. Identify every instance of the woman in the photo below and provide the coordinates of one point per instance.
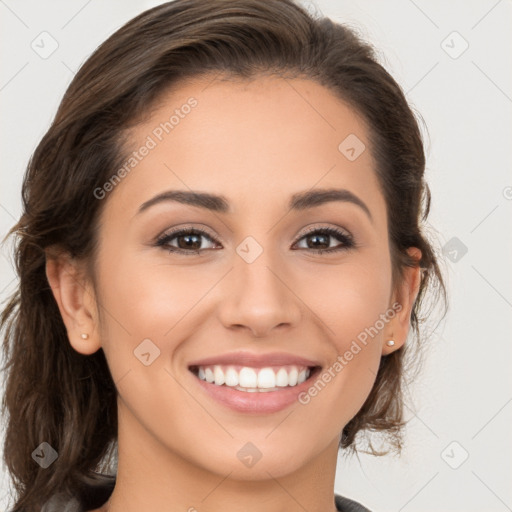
(220, 260)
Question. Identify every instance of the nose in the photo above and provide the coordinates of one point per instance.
(258, 297)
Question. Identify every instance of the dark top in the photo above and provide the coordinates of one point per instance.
(95, 495)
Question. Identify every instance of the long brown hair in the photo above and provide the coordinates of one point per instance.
(54, 394)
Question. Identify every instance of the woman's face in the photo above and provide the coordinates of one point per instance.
(257, 285)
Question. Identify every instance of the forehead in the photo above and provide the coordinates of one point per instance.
(265, 138)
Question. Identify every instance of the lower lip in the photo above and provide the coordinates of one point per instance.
(264, 402)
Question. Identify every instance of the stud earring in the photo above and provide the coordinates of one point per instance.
(85, 336)
(390, 343)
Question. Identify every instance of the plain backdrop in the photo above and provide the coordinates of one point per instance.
(453, 60)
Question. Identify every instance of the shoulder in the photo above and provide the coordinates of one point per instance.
(94, 493)
(347, 505)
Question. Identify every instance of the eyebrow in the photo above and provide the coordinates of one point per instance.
(317, 197)
(218, 203)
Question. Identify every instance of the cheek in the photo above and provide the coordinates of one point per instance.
(142, 300)
(353, 304)
(350, 297)
(156, 297)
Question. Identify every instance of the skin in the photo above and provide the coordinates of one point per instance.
(256, 143)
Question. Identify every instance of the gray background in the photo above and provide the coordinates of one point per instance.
(462, 399)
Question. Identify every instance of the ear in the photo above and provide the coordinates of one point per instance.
(403, 298)
(75, 297)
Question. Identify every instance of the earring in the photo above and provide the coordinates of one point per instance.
(85, 336)
(390, 343)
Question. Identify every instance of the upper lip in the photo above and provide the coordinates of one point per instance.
(255, 360)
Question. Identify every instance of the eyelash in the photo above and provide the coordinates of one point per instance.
(345, 238)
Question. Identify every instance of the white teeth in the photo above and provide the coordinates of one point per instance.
(209, 376)
(266, 378)
(219, 375)
(281, 378)
(254, 379)
(292, 377)
(248, 378)
(231, 377)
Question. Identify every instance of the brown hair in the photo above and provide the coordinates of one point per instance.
(56, 395)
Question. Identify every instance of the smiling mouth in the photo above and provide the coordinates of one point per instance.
(251, 379)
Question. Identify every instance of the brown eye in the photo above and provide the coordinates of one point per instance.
(319, 240)
(188, 241)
